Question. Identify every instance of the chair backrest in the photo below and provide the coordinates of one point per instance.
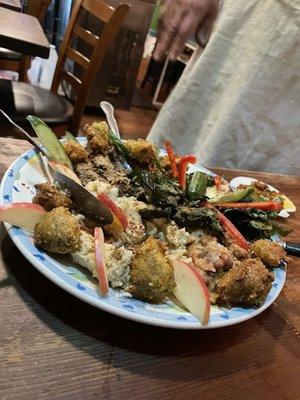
(113, 19)
(38, 8)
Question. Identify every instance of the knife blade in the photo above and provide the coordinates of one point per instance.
(84, 201)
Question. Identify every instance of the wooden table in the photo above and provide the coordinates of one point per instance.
(54, 346)
(11, 4)
(23, 33)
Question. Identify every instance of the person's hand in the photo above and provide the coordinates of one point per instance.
(179, 21)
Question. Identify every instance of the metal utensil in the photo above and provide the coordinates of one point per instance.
(42, 154)
(291, 248)
(24, 134)
(85, 202)
(110, 117)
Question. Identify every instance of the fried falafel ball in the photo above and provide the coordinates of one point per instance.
(166, 164)
(49, 197)
(75, 151)
(269, 252)
(98, 136)
(246, 284)
(58, 231)
(238, 252)
(141, 150)
(152, 276)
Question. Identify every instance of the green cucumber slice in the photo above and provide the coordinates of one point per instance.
(197, 186)
(232, 197)
(48, 138)
(70, 137)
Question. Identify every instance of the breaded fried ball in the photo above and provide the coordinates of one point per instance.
(246, 284)
(152, 276)
(238, 252)
(49, 197)
(141, 150)
(269, 252)
(98, 136)
(58, 231)
(75, 151)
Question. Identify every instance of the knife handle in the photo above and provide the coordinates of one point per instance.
(293, 248)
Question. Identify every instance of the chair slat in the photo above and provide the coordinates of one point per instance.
(85, 35)
(77, 57)
(71, 79)
(98, 9)
(114, 20)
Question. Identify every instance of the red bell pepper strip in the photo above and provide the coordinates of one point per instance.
(217, 180)
(172, 158)
(263, 205)
(232, 231)
(183, 163)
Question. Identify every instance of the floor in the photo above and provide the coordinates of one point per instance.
(133, 124)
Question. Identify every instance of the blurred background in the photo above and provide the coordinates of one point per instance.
(129, 77)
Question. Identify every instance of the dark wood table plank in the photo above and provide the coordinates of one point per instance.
(23, 33)
(11, 4)
(54, 346)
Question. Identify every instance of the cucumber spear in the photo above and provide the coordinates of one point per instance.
(48, 138)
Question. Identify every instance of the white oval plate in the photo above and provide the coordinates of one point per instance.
(245, 180)
(18, 185)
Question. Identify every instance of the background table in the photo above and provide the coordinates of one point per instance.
(12, 4)
(53, 346)
(23, 33)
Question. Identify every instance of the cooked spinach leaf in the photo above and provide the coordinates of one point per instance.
(159, 190)
(199, 218)
(151, 213)
(255, 224)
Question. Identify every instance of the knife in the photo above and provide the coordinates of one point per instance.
(84, 201)
(292, 248)
(24, 134)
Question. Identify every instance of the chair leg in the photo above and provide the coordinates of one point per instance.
(25, 64)
(60, 130)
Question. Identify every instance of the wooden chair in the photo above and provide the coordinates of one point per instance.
(14, 61)
(38, 8)
(22, 99)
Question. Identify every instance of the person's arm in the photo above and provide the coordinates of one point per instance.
(179, 21)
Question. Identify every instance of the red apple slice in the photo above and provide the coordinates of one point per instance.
(22, 215)
(100, 261)
(114, 209)
(63, 169)
(191, 290)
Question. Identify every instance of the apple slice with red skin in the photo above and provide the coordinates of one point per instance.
(191, 290)
(23, 215)
(100, 261)
(114, 209)
(63, 169)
